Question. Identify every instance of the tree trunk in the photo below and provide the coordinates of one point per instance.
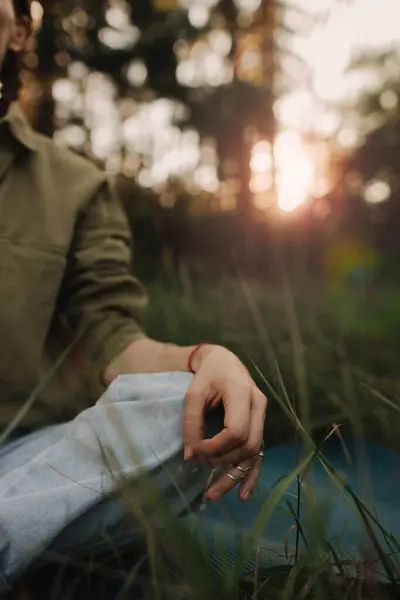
(269, 23)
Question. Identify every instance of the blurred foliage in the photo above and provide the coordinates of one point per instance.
(230, 110)
(233, 112)
(372, 171)
(379, 114)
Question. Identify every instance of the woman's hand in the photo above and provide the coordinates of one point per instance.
(221, 378)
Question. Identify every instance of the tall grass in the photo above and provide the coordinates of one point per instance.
(315, 354)
(330, 353)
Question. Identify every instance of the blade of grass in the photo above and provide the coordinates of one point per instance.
(258, 321)
(130, 579)
(341, 485)
(299, 365)
(381, 397)
(298, 524)
(289, 591)
(25, 408)
(177, 538)
(267, 510)
(385, 560)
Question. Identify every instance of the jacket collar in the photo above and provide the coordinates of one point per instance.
(18, 124)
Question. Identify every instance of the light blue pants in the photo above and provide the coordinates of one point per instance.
(57, 484)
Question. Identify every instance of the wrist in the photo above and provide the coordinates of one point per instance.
(147, 356)
(197, 355)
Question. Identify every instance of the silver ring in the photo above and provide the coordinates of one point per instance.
(261, 453)
(244, 469)
(235, 479)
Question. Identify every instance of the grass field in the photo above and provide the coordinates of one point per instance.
(331, 352)
(330, 355)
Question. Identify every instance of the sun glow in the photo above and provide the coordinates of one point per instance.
(295, 170)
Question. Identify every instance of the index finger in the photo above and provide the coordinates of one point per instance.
(237, 405)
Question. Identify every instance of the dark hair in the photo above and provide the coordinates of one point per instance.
(11, 67)
(22, 8)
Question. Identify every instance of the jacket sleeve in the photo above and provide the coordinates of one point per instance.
(102, 300)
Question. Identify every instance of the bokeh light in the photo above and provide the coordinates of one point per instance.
(144, 136)
(136, 73)
(377, 191)
(295, 171)
(198, 15)
(36, 13)
(248, 6)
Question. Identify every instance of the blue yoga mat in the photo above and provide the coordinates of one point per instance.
(372, 472)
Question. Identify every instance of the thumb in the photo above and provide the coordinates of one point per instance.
(193, 419)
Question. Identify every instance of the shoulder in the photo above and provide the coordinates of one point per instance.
(68, 170)
(65, 162)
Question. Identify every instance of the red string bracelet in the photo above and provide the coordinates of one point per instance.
(191, 357)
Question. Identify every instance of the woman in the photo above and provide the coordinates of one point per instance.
(65, 258)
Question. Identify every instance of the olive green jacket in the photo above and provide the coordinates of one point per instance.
(65, 265)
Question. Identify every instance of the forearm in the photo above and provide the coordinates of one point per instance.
(150, 356)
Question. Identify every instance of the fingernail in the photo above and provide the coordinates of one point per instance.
(188, 453)
(246, 496)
